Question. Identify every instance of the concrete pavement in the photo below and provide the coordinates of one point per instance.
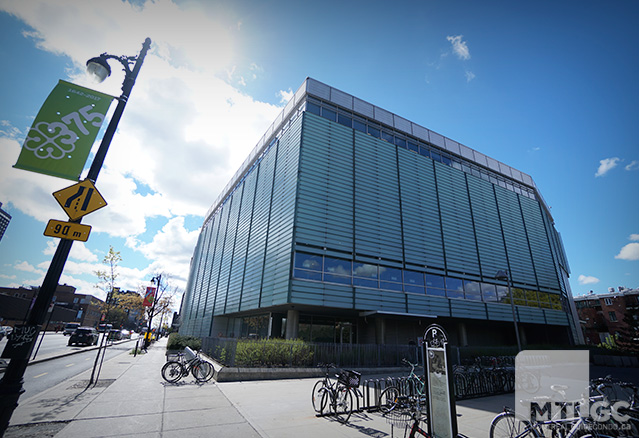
(132, 399)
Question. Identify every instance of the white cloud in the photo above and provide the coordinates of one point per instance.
(606, 165)
(459, 47)
(634, 237)
(285, 96)
(629, 252)
(470, 76)
(27, 267)
(585, 279)
(634, 165)
(183, 135)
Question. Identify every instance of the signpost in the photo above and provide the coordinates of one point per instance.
(67, 230)
(438, 372)
(80, 199)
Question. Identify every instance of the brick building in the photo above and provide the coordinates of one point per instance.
(603, 315)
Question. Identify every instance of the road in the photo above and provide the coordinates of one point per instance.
(40, 376)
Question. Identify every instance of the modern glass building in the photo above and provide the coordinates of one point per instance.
(348, 223)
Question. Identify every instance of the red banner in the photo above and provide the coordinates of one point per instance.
(149, 296)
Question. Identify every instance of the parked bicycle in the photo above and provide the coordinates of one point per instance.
(335, 396)
(185, 363)
(413, 385)
(509, 425)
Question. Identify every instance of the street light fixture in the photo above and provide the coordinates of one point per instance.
(12, 381)
(505, 276)
(147, 338)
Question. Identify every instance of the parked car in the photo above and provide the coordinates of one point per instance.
(102, 328)
(5, 330)
(84, 336)
(126, 334)
(70, 328)
(114, 335)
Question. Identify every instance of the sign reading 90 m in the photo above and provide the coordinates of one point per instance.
(67, 230)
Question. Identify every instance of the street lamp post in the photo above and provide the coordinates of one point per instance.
(147, 337)
(11, 383)
(505, 275)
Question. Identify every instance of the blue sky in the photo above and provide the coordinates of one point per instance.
(549, 88)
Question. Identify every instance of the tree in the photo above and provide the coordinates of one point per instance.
(164, 295)
(106, 279)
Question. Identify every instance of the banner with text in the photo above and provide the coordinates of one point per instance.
(60, 139)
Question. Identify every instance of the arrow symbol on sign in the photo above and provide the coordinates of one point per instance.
(71, 198)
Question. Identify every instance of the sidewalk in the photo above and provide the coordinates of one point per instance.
(131, 399)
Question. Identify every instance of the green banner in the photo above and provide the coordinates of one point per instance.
(60, 139)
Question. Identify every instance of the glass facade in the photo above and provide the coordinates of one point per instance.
(339, 211)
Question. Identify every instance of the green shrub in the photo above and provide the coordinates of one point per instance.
(179, 342)
(273, 353)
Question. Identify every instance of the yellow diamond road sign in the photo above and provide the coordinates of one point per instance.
(80, 199)
(67, 230)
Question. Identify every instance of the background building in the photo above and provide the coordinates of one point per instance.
(348, 223)
(15, 304)
(613, 314)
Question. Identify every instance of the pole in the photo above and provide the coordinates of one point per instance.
(147, 337)
(512, 305)
(11, 384)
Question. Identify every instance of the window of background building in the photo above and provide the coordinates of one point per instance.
(435, 285)
(337, 270)
(472, 290)
(454, 287)
(612, 316)
(414, 282)
(365, 275)
(390, 278)
(608, 301)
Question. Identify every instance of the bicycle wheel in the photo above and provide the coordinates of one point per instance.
(342, 403)
(202, 371)
(507, 425)
(389, 399)
(172, 371)
(317, 396)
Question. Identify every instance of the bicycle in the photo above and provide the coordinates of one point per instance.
(413, 385)
(510, 425)
(187, 362)
(335, 397)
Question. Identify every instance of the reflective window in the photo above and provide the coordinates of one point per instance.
(329, 114)
(454, 284)
(531, 298)
(400, 142)
(337, 266)
(544, 300)
(435, 156)
(388, 137)
(423, 150)
(344, 120)
(414, 278)
(502, 294)
(341, 279)
(435, 281)
(447, 161)
(307, 275)
(390, 286)
(518, 296)
(436, 292)
(489, 291)
(312, 108)
(414, 289)
(413, 147)
(473, 290)
(390, 274)
(364, 270)
(308, 261)
(373, 131)
(365, 282)
(360, 126)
